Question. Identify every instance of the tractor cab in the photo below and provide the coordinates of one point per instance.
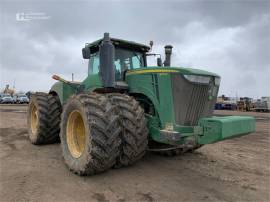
(126, 55)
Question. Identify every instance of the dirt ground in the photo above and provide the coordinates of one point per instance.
(232, 170)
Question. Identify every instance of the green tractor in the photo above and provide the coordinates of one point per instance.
(124, 108)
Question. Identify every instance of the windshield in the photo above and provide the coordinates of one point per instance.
(124, 60)
(127, 59)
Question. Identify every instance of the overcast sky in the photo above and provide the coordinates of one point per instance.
(230, 38)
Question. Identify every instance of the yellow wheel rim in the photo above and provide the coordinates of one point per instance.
(75, 134)
(34, 119)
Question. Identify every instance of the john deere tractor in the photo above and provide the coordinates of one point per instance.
(124, 108)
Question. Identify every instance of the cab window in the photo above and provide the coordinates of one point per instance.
(128, 59)
(124, 60)
(93, 65)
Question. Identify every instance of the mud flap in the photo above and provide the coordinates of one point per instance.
(219, 128)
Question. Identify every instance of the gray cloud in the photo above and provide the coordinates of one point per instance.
(228, 37)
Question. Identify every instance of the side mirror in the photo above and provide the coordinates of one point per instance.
(86, 53)
(159, 62)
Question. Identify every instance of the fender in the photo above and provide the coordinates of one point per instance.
(64, 91)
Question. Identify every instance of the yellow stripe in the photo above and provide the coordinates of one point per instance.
(152, 71)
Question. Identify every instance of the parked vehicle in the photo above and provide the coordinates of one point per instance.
(245, 104)
(219, 106)
(225, 105)
(1, 95)
(21, 99)
(124, 107)
(229, 106)
(6, 99)
(263, 104)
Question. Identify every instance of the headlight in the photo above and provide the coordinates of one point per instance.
(217, 81)
(198, 79)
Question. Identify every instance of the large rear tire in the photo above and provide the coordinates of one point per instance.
(43, 118)
(90, 134)
(134, 133)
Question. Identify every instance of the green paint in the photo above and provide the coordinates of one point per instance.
(220, 128)
(92, 82)
(63, 90)
(155, 87)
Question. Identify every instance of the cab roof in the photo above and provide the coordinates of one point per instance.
(120, 43)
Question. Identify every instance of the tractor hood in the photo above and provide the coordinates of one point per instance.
(182, 70)
(181, 96)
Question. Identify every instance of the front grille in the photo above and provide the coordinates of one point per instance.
(191, 100)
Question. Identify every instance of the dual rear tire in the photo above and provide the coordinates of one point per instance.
(97, 131)
(134, 132)
(90, 134)
(43, 118)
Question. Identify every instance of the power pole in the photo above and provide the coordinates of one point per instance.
(14, 84)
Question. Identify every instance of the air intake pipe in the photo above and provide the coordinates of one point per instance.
(107, 70)
(168, 53)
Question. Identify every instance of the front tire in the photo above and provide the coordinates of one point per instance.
(90, 134)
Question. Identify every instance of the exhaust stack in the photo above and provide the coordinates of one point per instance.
(107, 71)
(168, 53)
